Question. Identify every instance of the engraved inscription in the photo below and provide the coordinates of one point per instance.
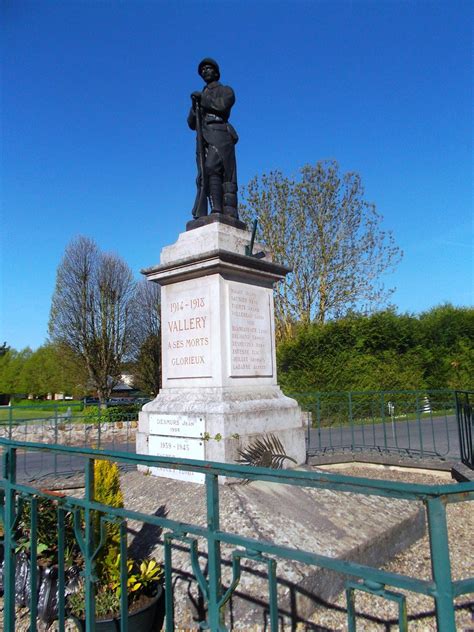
(178, 425)
(186, 333)
(176, 447)
(250, 331)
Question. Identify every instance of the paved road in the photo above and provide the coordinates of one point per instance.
(438, 436)
(433, 437)
(35, 465)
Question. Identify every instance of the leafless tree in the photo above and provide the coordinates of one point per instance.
(91, 310)
(147, 337)
(321, 226)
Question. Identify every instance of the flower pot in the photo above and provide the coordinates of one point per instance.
(147, 619)
(46, 592)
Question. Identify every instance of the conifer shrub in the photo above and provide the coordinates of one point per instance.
(143, 576)
(107, 491)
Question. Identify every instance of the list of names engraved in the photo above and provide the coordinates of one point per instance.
(187, 332)
(251, 348)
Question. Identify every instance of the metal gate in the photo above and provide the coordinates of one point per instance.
(464, 406)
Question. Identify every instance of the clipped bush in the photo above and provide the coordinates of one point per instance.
(111, 414)
(384, 351)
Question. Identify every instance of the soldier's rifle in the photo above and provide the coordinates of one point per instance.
(201, 205)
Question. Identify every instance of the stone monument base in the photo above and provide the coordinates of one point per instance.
(344, 526)
(214, 423)
(219, 369)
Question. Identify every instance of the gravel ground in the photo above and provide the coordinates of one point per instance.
(379, 615)
(375, 614)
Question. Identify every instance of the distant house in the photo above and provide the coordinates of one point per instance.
(125, 387)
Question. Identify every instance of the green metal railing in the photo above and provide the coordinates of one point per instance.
(412, 423)
(111, 428)
(440, 587)
(54, 413)
(465, 419)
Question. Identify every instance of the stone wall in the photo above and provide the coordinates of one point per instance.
(67, 433)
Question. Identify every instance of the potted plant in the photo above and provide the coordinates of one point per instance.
(144, 577)
(46, 555)
(145, 598)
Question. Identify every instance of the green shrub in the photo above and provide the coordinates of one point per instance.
(112, 414)
(142, 577)
(107, 491)
(384, 351)
(47, 531)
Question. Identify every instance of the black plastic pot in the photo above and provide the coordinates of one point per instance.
(46, 586)
(148, 619)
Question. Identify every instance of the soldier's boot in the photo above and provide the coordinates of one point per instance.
(230, 199)
(215, 194)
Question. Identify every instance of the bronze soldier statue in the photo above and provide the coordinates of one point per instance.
(215, 144)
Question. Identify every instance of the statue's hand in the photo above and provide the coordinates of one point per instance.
(196, 96)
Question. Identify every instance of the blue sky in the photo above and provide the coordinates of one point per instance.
(94, 102)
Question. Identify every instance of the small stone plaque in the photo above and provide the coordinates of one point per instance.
(177, 447)
(178, 425)
(186, 328)
(250, 331)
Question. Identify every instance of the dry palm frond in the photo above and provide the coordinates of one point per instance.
(267, 451)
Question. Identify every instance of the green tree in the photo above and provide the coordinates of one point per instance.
(39, 373)
(11, 371)
(91, 311)
(322, 227)
(52, 368)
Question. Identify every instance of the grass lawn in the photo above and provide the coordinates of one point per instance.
(338, 420)
(28, 413)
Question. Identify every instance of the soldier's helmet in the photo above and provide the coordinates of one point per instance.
(208, 61)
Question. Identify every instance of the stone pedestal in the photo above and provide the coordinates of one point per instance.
(220, 387)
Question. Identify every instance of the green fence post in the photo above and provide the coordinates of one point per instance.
(351, 612)
(61, 567)
(33, 562)
(318, 417)
(440, 564)
(10, 421)
(169, 601)
(99, 420)
(382, 414)
(215, 616)
(419, 413)
(351, 420)
(123, 578)
(89, 546)
(9, 474)
(55, 438)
